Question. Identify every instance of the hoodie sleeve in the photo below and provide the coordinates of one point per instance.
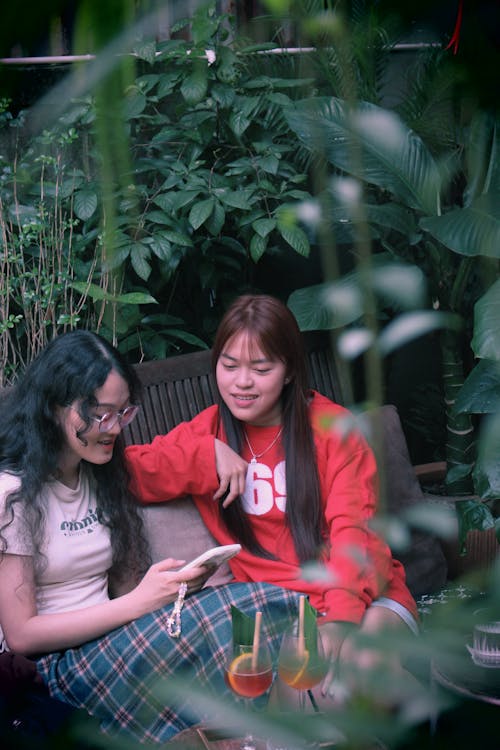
(359, 561)
(182, 462)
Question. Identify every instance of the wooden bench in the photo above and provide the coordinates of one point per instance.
(178, 388)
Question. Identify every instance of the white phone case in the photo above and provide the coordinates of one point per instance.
(214, 556)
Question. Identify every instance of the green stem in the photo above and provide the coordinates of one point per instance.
(457, 291)
(460, 441)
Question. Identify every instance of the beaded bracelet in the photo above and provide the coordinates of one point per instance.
(174, 620)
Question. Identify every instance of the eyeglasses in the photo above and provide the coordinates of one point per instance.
(123, 417)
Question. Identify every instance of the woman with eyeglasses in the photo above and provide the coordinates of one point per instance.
(77, 593)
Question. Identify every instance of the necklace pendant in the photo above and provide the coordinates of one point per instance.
(255, 456)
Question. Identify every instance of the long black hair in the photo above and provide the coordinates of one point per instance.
(272, 326)
(71, 367)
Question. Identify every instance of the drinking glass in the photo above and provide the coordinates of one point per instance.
(249, 673)
(301, 662)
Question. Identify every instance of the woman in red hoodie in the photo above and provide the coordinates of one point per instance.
(306, 489)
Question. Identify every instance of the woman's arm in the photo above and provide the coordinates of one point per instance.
(188, 460)
(28, 632)
(360, 561)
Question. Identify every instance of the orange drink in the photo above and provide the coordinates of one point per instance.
(249, 672)
(301, 662)
(301, 672)
(247, 680)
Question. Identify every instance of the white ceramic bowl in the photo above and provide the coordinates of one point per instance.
(485, 649)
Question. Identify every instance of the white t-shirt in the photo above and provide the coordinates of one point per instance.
(77, 548)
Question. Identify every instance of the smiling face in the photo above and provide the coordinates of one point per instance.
(88, 443)
(249, 382)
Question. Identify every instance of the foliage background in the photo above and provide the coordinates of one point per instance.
(141, 191)
(197, 119)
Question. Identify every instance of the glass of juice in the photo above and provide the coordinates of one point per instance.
(249, 673)
(301, 662)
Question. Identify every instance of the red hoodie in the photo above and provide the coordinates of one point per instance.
(358, 564)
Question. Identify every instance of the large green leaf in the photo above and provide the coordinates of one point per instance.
(263, 227)
(165, 135)
(311, 310)
(486, 472)
(215, 222)
(139, 257)
(258, 246)
(159, 245)
(146, 50)
(482, 157)
(223, 94)
(480, 393)
(486, 339)
(194, 87)
(85, 203)
(392, 216)
(98, 294)
(135, 298)
(242, 113)
(177, 238)
(391, 155)
(268, 163)
(134, 103)
(236, 198)
(469, 231)
(296, 238)
(92, 290)
(200, 212)
(189, 338)
(158, 217)
(174, 201)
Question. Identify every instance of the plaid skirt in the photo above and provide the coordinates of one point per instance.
(116, 677)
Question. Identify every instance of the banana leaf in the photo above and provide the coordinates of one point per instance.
(471, 231)
(486, 339)
(391, 155)
(243, 625)
(480, 393)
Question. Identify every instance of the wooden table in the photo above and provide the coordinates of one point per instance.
(468, 717)
(459, 675)
(203, 738)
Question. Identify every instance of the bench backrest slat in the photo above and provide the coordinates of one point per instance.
(175, 389)
(178, 388)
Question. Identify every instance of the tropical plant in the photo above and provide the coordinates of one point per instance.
(53, 275)
(408, 199)
(215, 168)
(161, 235)
(81, 225)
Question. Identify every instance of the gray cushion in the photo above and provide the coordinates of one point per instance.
(175, 529)
(424, 560)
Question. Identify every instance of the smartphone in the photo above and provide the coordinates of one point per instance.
(214, 557)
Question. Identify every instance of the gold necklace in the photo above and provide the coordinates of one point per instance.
(255, 456)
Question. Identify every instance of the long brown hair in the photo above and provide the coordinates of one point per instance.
(273, 327)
